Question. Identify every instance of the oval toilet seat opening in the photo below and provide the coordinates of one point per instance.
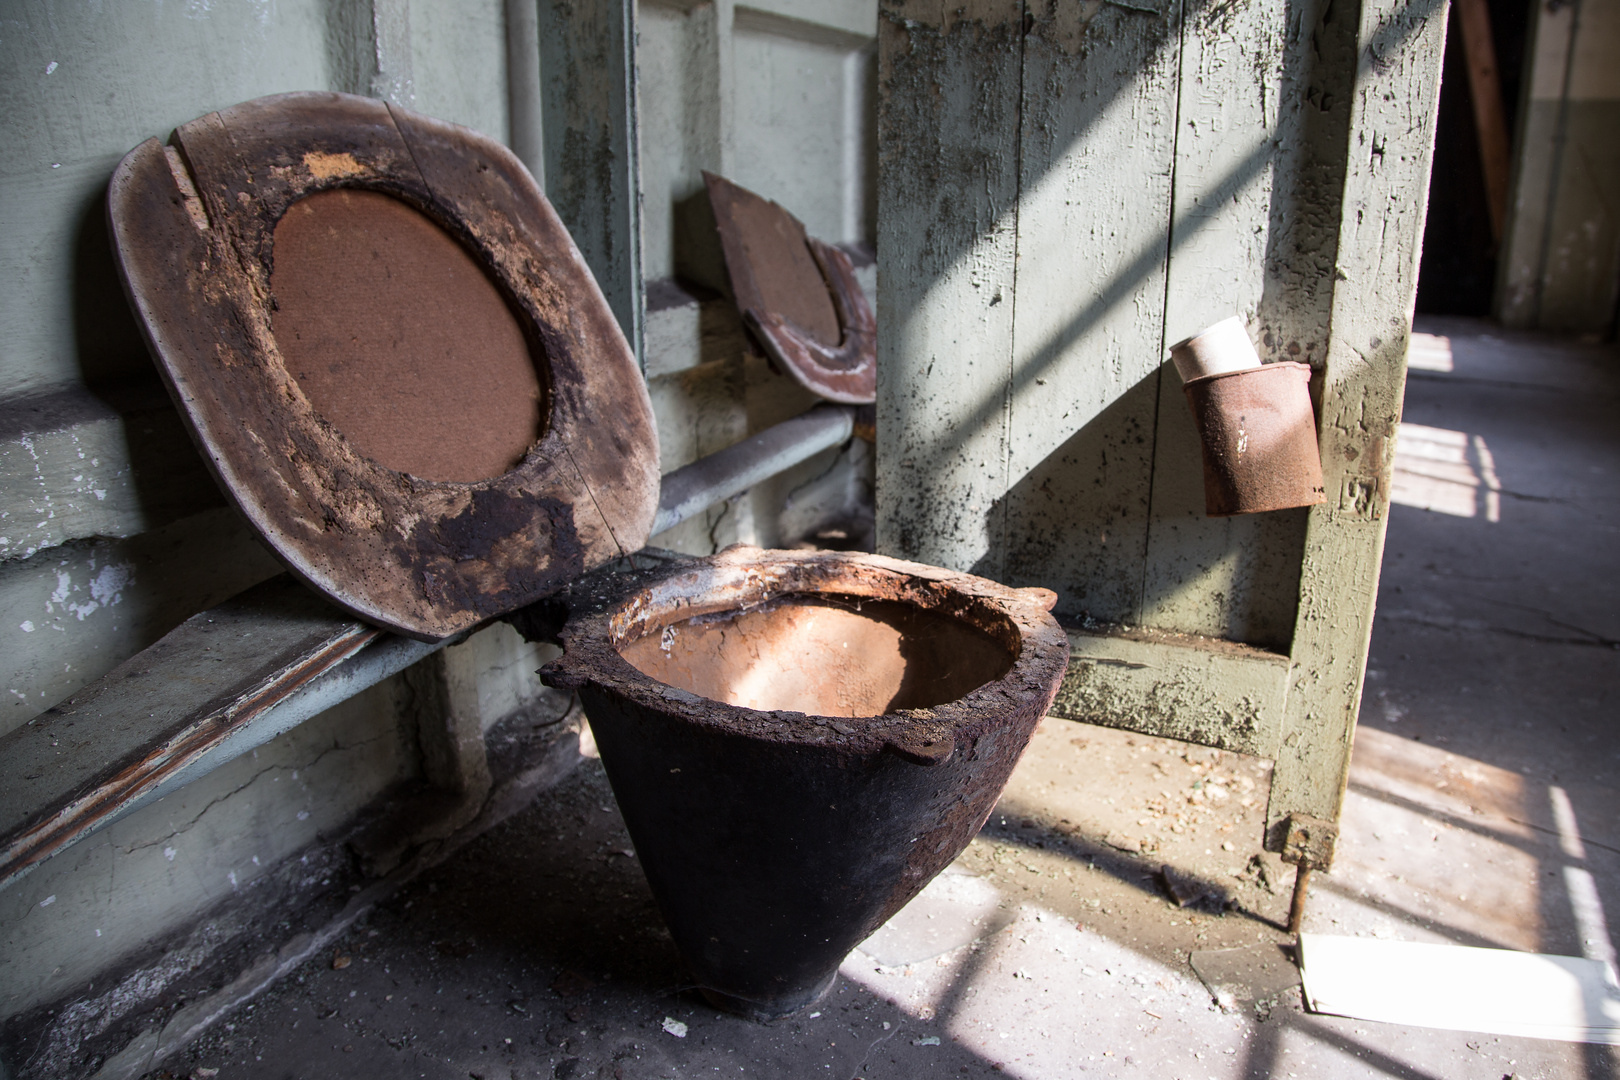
(823, 654)
(401, 340)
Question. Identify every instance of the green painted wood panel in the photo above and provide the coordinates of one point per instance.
(1097, 153)
(1231, 578)
(949, 95)
(80, 85)
(1176, 164)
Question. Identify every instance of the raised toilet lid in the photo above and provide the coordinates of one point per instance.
(797, 295)
(391, 354)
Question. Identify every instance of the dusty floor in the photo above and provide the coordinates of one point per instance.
(1483, 809)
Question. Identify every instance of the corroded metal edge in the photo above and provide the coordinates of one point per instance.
(616, 609)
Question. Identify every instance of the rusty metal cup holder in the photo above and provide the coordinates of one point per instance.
(1258, 433)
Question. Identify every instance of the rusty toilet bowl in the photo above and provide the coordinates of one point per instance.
(347, 300)
(800, 741)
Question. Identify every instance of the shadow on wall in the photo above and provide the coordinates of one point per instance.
(107, 341)
(1092, 507)
(1112, 517)
(170, 479)
(1081, 513)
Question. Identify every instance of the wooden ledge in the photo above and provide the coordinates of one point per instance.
(1179, 686)
(225, 681)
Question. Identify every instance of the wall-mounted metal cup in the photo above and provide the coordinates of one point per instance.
(1259, 438)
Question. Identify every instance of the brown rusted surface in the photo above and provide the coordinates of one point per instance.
(400, 340)
(777, 838)
(1310, 841)
(1259, 439)
(823, 655)
(194, 228)
(84, 761)
(798, 296)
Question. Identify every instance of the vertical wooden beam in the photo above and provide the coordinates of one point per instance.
(1380, 226)
(588, 76)
(1538, 166)
(1233, 577)
(948, 126)
(709, 137)
(1485, 88)
(1097, 180)
(394, 79)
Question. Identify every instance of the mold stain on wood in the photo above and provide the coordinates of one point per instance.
(1120, 176)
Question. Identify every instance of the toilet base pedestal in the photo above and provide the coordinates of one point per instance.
(775, 1009)
(803, 740)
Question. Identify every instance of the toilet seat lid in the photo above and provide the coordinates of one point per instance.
(797, 295)
(291, 428)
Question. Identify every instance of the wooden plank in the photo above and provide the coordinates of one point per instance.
(73, 465)
(587, 62)
(1463, 988)
(1097, 158)
(1228, 577)
(1490, 122)
(1398, 50)
(1177, 686)
(948, 111)
(90, 759)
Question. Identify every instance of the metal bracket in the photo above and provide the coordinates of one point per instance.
(1310, 842)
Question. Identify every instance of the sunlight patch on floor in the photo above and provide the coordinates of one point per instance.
(1449, 472)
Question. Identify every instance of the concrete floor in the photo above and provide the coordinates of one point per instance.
(1051, 948)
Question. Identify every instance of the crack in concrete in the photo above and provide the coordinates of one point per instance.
(249, 782)
(1441, 622)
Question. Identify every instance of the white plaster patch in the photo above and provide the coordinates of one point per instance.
(168, 853)
(27, 626)
(48, 901)
(107, 587)
(64, 586)
(51, 67)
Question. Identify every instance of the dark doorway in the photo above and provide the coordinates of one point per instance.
(1458, 273)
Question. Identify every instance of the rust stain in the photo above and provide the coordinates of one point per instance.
(1259, 439)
